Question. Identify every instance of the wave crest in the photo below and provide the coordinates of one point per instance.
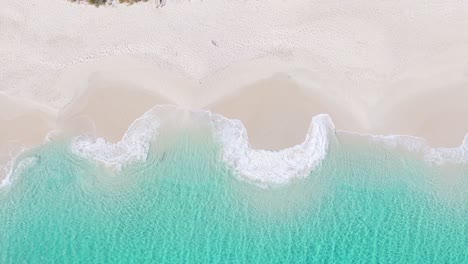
(435, 156)
(14, 167)
(133, 147)
(261, 166)
(272, 167)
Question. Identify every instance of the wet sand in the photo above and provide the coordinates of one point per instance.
(376, 69)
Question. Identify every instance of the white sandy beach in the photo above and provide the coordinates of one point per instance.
(377, 68)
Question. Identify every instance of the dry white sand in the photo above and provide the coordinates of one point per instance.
(393, 67)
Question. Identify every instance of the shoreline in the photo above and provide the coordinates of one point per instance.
(115, 98)
(374, 70)
(105, 103)
(261, 167)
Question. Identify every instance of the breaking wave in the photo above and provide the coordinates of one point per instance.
(263, 167)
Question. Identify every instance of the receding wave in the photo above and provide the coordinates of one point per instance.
(437, 156)
(263, 167)
(133, 147)
(272, 166)
(13, 167)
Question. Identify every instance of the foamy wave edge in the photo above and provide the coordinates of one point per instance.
(433, 156)
(272, 167)
(16, 165)
(261, 166)
(133, 147)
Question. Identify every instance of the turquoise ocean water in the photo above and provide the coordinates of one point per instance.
(364, 204)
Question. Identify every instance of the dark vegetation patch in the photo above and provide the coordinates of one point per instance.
(108, 2)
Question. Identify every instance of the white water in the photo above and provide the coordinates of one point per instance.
(133, 147)
(272, 167)
(262, 167)
(14, 168)
(435, 156)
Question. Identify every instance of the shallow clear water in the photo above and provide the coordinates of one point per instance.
(364, 204)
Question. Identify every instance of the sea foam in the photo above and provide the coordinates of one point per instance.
(263, 167)
(434, 156)
(272, 167)
(133, 147)
(16, 164)
(14, 167)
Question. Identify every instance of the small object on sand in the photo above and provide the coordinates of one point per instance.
(159, 3)
(163, 157)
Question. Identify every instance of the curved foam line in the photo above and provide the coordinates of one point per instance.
(7, 170)
(262, 167)
(454, 155)
(276, 167)
(432, 155)
(133, 147)
(12, 167)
